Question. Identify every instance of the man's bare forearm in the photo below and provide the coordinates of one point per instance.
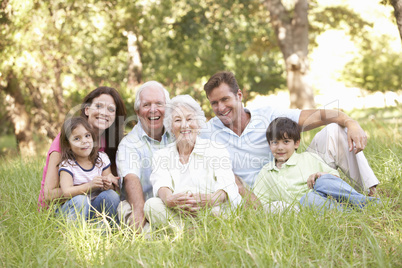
(310, 119)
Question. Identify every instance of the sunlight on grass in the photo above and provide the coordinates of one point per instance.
(247, 238)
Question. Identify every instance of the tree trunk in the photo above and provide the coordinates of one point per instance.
(134, 61)
(291, 28)
(15, 107)
(42, 119)
(397, 4)
(58, 92)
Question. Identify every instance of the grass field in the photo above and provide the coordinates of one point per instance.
(371, 238)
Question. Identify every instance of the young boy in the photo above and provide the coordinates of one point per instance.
(289, 178)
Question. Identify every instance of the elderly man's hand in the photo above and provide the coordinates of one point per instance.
(356, 136)
(137, 221)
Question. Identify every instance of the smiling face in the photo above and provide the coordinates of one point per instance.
(152, 111)
(283, 149)
(102, 112)
(81, 142)
(184, 125)
(226, 105)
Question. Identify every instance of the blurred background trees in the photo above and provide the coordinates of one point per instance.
(52, 53)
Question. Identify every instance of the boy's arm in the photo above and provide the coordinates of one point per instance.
(250, 198)
(262, 189)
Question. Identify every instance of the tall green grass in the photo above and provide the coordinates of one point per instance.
(247, 238)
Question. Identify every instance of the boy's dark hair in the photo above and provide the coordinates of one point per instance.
(281, 126)
(221, 77)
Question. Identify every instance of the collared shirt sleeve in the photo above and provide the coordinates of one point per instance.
(225, 179)
(322, 166)
(268, 187)
(160, 176)
(128, 159)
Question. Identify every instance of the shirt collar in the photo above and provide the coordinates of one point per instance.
(217, 122)
(143, 135)
(199, 147)
(292, 161)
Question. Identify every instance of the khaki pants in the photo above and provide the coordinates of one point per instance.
(331, 144)
(124, 212)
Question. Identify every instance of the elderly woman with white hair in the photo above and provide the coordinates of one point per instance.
(192, 173)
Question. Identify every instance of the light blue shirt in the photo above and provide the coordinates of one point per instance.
(249, 152)
(134, 156)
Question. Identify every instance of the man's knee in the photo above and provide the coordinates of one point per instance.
(156, 211)
(322, 182)
(154, 204)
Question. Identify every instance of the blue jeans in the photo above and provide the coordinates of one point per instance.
(339, 190)
(106, 201)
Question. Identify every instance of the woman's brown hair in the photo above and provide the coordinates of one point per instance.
(114, 134)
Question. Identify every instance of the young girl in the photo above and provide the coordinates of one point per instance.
(85, 174)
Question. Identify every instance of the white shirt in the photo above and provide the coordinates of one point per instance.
(208, 170)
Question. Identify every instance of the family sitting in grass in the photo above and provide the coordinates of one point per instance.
(236, 133)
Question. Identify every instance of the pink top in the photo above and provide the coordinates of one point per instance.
(55, 147)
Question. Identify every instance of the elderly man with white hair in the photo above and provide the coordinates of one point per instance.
(135, 151)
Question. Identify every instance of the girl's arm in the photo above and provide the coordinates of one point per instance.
(52, 188)
(110, 181)
(70, 190)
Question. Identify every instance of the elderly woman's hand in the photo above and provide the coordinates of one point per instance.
(210, 200)
(184, 202)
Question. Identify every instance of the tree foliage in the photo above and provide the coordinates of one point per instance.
(377, 68)
(54, 52)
